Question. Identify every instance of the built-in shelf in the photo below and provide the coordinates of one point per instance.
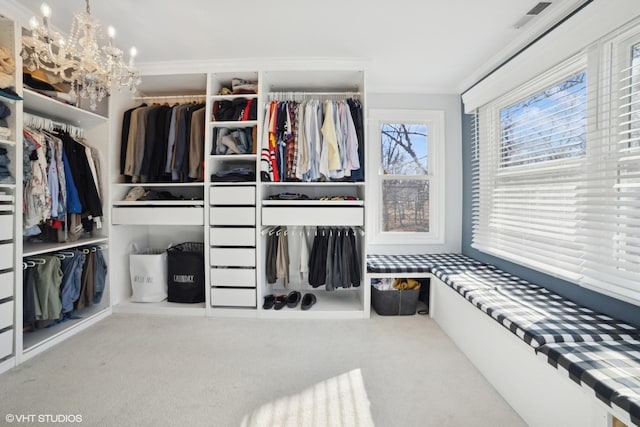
(42, 105)
(159, 184)
(6, 198)
(7, 142)
(163, 307)
(31, 249)
(232, 183)
(338, 304)
(313, 203)
(159, 203)
(8, 186)
(235, 124)
(314, 183)
(251, 156)
(232, 97)
(39, 340)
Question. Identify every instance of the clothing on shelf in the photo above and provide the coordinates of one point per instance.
(163, 143)
(56, 285)
(332, 261)
(234, 175)
(5, 173)
(61, 178)
(233, 140)
(236, 110)
(312, 140)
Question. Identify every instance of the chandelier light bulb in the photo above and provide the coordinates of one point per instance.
(33, 23)
(45, 10)
(111, 32)
(132, 54)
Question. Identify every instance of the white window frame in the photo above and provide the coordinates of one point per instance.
(434, 120)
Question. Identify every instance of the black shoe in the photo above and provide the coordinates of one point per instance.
(269, 300)
(280, 301)
(307, 301)
(293, 299)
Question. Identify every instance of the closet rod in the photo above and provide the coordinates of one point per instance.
(43, 123)
(297, 93)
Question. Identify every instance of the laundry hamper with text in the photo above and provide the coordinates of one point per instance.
(186, 272)
(148, 272)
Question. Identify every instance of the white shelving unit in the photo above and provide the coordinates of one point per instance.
(10, 195)
(159, 223)
(96, 134)
(153, 223)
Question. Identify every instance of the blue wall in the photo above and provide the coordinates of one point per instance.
(596, 301)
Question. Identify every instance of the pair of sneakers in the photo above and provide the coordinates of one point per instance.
(292, 300)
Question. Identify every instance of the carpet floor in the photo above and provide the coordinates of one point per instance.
(134, 370)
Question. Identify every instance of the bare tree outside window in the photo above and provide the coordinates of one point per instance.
(405, 184)
(549, 125)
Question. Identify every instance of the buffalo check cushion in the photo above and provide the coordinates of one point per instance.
(420, 263)
(470, 277)
(610, 368)
(539, 316)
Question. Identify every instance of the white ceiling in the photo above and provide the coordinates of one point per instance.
(428, 46)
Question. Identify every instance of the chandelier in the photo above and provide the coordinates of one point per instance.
(79, 60)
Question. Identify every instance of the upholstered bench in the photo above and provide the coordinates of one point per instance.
(610, 369)
(544, 320)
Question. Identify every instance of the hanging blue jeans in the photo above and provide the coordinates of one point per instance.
(71, 279)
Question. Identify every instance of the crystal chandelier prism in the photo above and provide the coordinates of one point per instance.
(80, 60)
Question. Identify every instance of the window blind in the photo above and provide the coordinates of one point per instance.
(611, 213)
(556, 173)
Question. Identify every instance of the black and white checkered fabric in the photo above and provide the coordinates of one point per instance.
(465, 278)
(611, 369)
(539, 316)
(419, 263)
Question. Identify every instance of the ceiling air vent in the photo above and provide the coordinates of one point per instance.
(535, 11)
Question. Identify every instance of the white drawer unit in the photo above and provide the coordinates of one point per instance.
(232, 257)
(232, 236)
(6, 227)
(298, 215)
(6, 256)
(241, 277)
(6, 314)
(6, 284)
(232, 216)
(233, 195)
(231, 297)
(158, 215)
(6, 343)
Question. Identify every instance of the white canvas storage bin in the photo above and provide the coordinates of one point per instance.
(6, 284)
(6, 227)
(6, 256)
(230, 297)
(232, 236)
(241, 277)
(232, 257)
(232, 216)
(6, 314)
(148, 271)
(232, 195)
(6, 343)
